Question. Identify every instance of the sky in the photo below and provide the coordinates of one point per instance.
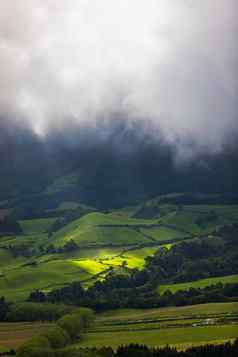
(168, 65)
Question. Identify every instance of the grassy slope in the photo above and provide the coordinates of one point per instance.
(164, 233)
(125, 315)
(187, 218)
(202, 283)
(34, 226)
(17, 279)
(100, 228)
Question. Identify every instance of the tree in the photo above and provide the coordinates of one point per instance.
(4, 308)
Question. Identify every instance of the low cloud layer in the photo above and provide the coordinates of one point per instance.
(171, 64)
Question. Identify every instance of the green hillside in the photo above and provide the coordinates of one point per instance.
(202, 283)
(118, 240)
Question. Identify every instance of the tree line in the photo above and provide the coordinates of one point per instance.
(48, 346)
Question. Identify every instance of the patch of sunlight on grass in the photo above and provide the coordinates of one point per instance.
(129, 262)
(90, 266)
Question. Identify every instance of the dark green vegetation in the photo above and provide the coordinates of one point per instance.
(28, 311)
(222, 350)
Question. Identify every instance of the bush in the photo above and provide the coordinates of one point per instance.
(86, 315)
(72, 324)
(57, 337)
(38, 346)
(75, 323)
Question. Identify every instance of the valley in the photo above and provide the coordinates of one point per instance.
(133, 253)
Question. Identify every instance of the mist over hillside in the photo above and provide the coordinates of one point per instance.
(128, 100)
(112, 165)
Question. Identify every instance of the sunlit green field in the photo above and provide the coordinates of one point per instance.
(18, 277)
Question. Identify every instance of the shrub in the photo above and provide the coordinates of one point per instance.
(38, 346)
(86, 315)
(57, 337)
(72, 324)
(29, 311)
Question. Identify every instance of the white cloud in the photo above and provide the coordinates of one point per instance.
(171, 62)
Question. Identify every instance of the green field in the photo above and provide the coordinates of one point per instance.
(104, 229)
(181, 337)
(202, 283)
(19, 280)
(200, 219)
(177, 326)
(164, 233)
(98, 228)
(180, 326)
(12, 335)
(205, 310)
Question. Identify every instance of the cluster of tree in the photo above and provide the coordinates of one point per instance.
(20, 250)
(30, 311)
(4, 308)
(223, 350)
(9, 226)
(158, 206)
(67, 329)
(197, 258)
(68, 247)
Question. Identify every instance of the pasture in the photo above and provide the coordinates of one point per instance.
(202, 283)
(180, 326)
(181, 337)
(12, 335)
